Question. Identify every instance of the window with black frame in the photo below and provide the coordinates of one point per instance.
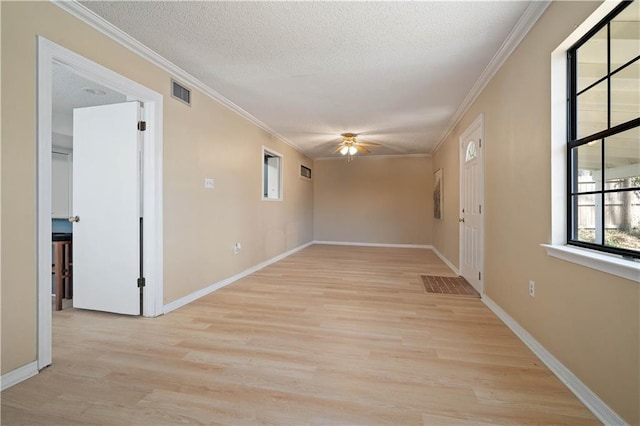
(603, 206)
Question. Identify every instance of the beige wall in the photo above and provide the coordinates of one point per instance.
(373, 200)
(204, 140)
(445, 231)
(587, 319)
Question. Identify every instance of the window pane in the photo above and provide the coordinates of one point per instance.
(625, 36)
(622, 220)
(589, 161)
(472, 152)
(622, 157)
(592, 60)
(604, 175)
(625, 94)
(588, 217)
(592, 110)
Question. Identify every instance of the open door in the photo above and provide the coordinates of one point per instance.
(106, 208)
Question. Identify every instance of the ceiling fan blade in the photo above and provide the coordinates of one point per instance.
(362, 149)
(368, 143)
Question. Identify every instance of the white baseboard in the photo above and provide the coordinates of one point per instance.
(446, 261)
(172, 306)
(348, 243)
(18, 375)
(598, 407)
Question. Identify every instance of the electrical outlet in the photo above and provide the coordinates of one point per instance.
(532, 288)
(236, 248)
(208, 183)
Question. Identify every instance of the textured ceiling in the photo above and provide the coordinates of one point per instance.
(394, 72)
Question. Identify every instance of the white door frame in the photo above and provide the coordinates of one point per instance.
(48, 53)
(478, 123)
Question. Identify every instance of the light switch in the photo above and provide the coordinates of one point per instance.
(208, 183)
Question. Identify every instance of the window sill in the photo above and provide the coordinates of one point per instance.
(611, 264)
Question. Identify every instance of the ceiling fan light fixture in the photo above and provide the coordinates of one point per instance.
(344, 150)
(352, 150)
(94, 91)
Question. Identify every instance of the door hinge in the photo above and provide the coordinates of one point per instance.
(142, 126)
(479, 276)
(480, 208)
(141, 282)
(480, 142)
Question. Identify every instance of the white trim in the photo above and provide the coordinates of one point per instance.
(377, 156)
(49, 52)
(19, 375)
(601, 261)
(611, 264)
(598, 407)
(445, 260)
(114, 33)
(558, 145)
(172, 306)
(43, 194)
(358, 244)
(530, 16)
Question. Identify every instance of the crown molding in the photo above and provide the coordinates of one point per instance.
(114, 33)
(530, 16)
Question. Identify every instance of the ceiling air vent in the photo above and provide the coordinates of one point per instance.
(180, 92)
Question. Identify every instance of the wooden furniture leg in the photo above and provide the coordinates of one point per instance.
(67, 274)
(57, 272)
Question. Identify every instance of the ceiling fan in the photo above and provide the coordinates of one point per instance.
(350, 146)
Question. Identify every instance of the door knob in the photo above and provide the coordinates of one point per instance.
(461, 220)
(74, 219)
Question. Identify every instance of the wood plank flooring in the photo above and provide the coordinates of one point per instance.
(329, 335)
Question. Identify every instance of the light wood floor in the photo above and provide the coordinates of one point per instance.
(330, 335)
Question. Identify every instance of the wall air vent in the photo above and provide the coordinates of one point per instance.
(180, 92)
(305, 172)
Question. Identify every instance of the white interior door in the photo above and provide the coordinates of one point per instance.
(471, 204)
(106, 194)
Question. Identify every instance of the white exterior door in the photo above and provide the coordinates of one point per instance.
(471, 204)
(106, 194)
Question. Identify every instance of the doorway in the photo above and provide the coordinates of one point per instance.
(49, 54)
(472, 145)
(69, 92)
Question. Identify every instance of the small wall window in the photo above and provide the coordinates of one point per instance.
(271, 175)
(305, 172)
